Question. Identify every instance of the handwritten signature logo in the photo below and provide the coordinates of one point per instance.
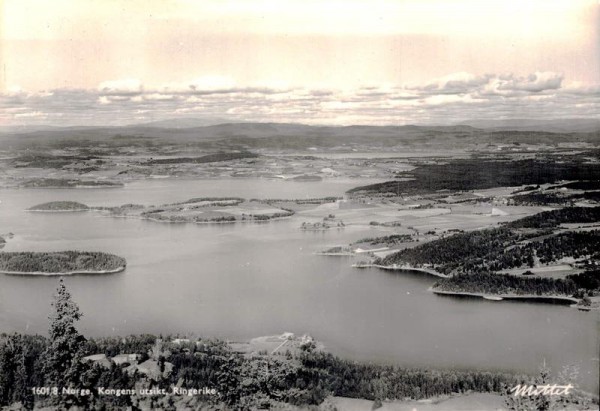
(536, 390)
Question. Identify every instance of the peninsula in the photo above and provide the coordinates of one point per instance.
(486, 262)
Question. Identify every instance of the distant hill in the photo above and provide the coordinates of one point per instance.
(569, 125)
(186, 122)
(284, 136)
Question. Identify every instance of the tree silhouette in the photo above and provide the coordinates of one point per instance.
(63, 365)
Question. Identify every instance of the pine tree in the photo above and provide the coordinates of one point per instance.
(63, 356)
(23, 392)
(7, 371)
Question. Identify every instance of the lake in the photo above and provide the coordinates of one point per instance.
(241, 281)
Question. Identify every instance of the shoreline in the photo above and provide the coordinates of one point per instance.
(154, 220)
(78, 210)
(54, 274)
(68, 187)
(502, 297)
(402, 268)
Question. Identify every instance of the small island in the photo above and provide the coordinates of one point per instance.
(203, 210)
(328, 222)
(60, 263)
(59, 206)
(69, 183)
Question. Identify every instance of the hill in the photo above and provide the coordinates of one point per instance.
(286, 136)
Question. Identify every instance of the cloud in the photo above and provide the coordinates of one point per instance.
(488, 84)
(449, 99)
(455, 83)
(31, 114)
(123, 86)
(535, 82)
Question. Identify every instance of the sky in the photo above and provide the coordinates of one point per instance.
(339, 62)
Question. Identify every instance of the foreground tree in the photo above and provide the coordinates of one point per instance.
(63, 365)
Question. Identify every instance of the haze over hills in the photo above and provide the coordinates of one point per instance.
(186, 122)
(565, 125)
(299, 136)
(568, 125)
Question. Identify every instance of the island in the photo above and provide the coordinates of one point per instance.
(69, 183)
(195, 210)
(59, 206)
(203, 210)
(60, 263)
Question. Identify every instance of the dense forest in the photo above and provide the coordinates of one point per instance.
(459, 252)
(554, 218)
(581, 185)
(490, 283)
(553, 198)
(537, 198)
(479, 173)
(587, 280)
(59, 261)
(579, 285)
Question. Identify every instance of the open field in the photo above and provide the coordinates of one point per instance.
(549, 271)
(467, 402)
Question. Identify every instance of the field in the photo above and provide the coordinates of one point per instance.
(467, 402)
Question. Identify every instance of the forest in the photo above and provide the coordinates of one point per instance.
(553, 198)
(59, 261)
(458, 252)
(580, 185)
(480, 173)
(490, 283)
(554, 218)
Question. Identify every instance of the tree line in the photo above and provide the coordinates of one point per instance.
(481, 173)
(492, 283)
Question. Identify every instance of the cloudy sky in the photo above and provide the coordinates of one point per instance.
(74, 62)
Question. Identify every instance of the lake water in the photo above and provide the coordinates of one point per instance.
(246, 280)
